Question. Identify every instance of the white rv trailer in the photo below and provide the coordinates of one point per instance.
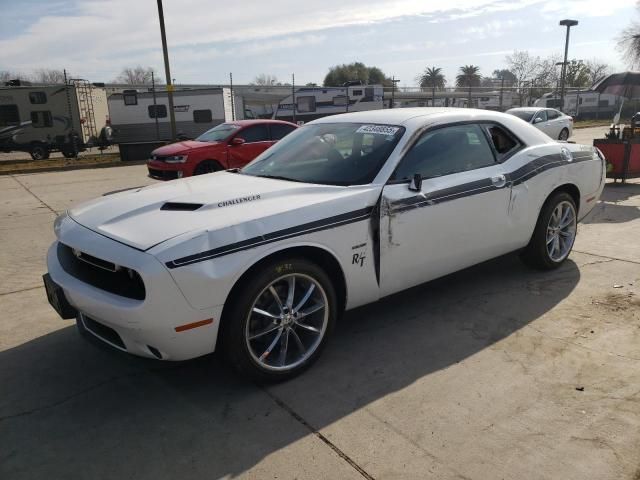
(581, 103)
(316, 102)
(40, 119)
(133, 113)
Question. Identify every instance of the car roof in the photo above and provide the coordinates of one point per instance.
(394, 116)
(528, 109)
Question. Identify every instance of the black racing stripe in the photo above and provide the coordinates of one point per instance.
(522, 174)
(446, 194)
(324, 224)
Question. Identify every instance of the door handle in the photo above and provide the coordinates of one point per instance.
(499, 181)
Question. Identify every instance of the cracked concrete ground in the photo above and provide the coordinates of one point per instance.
(494, 372)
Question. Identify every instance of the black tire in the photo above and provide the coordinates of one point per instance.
(207, 166)
(536, 254)
(39, 152)
(233, 340)
(564, 134)
(69, 153)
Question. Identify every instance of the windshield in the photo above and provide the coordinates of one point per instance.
(219, 133)
(329, 153)
(524, 115)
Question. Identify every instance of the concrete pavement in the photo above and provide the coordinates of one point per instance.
(494, 372)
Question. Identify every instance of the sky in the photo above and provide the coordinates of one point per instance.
(209, 38)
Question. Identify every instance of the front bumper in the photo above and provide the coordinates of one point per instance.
(166, 171)
(145, 327)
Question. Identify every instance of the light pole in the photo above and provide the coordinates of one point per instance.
(393, 90)
(565, 23)
(167, 71)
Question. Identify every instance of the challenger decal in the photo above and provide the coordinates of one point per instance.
(236, 201)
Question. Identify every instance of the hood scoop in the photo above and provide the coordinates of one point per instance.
(181, 206)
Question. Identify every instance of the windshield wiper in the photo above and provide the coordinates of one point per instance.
(279, 177)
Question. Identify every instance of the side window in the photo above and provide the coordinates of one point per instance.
(257, 133)
(279, 130)
(9, 115)
(445, 151)
(202, 116)
(130, 98)
(552, 114)
(157, 111)
(541, 116)
(37, 97)
(306, 104)
(41, 119)
(504, 143)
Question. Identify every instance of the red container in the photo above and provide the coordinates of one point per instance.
(615, 151)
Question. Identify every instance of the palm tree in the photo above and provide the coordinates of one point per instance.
(469, 77)
(434, 79)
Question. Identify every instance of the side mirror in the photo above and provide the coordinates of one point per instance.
(415, 185)
(237, 141)
(537, 120)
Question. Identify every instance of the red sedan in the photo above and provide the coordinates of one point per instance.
(229, 145)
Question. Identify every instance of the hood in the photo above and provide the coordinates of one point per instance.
(182, 147)
(145, 217)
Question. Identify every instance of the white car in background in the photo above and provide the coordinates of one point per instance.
(348, 209)
(548, 120)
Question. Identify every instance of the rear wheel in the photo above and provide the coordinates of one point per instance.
(554, 234)
(207, 166)
(69, 153)
(39, 152)
(564, 135)
(277, 325)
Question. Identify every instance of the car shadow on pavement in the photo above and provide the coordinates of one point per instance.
(71, 410)
(610, 208)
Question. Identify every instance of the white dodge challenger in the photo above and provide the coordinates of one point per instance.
(350, 208)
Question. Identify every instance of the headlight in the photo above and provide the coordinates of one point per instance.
(176, 159)
(58, 223)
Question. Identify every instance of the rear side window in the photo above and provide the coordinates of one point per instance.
(256, 133)
(41, 119)
(552, 114)
(37, 97)
(157, 111)
(446, 151)
(202, 116)
(504, 143)
(9, 115)
(279, 130)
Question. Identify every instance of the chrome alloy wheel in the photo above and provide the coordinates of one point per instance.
(287, 322)
(561, 231)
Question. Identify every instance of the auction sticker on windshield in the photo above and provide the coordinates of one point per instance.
(378, 129)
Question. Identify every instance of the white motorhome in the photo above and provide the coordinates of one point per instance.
(581, 103)
(316, 102)
(139, 117)
(40, 119)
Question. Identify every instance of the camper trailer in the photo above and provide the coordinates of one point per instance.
(582, 103)
(142, 116)
(40, 119)
(316, 102)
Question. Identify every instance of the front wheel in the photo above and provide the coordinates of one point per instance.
(207, 166)
(39, 152)
(279, 321)
(554, 234)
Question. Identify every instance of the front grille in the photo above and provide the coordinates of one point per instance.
(163, 174)
(101, 273)
(103, 332)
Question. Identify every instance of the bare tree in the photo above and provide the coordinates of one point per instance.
(50, 76)
(6, 75)
(522, 65)
(629, 43)
(264, 79)
(597, 70)
(138, 75)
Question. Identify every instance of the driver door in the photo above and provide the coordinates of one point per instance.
(256, 140)
(458, 216)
